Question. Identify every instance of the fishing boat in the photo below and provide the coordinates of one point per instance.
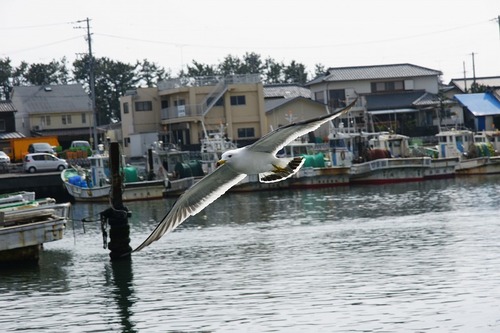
(386, 158)
(184, 168)
(93, 184)
(326, 164)
(27, 223)
(180, 168)
(477, 154)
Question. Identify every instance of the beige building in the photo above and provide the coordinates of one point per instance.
(283, 111)
(182, 111)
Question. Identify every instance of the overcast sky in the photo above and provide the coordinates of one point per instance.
(437, 34)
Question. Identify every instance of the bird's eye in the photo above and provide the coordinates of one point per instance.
(230, 156)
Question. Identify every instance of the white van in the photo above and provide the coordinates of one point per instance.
(41, 147)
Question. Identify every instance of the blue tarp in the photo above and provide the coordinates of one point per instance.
(481, 104)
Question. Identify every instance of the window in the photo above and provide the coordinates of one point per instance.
(238, 100)
(125, 107)
(179, 102)
(319, 97)
(336, 98)
(144, 106)
(246, 132)
(2, 125)
(66, 119)
(218, 103)
(387, 86)
(164, 104)
(84, 118)
(45, 120)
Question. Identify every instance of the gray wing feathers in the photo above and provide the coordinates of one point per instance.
(274, 141)
(195, 199)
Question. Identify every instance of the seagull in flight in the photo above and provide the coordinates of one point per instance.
(234, 165)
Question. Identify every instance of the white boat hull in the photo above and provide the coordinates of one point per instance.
(479, 166)
(145, 190)
(390, 170)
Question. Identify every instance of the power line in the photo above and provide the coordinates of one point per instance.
(35, 26)
(41, 46)
(294, 46)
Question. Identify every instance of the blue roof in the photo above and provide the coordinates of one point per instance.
(483, 104)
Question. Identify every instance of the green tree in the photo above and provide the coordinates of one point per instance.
(112, 80)
(295, 73)
(19, 74)
(199, 69)
(230, 65)
(478, 88)
(5, 78)
(273, 71)
(251, 64)
(52, 73)
(319, 69)
(149, 73)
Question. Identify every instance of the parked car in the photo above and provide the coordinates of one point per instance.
(43, 162)
(41, 147)
(80, 144)
(4, 158)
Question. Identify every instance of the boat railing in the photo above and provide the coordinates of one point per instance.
(387, 163)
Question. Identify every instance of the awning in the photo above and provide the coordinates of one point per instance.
(378, 112)
(11, 135)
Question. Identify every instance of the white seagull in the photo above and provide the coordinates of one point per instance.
(234, 165)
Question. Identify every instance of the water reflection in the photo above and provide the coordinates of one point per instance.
(418, 257)
(119, 276)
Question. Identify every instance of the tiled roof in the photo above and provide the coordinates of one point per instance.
(393, 100)
(286, 91)
(7, 106)
(379, 72)
(271, 104)
(462, 84)
(53, 98)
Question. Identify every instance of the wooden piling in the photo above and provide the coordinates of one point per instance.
(117, 215)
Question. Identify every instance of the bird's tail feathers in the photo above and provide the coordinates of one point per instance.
(279, 174)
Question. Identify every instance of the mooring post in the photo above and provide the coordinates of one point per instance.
(117, 215)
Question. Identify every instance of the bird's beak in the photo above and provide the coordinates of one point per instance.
(220, 162)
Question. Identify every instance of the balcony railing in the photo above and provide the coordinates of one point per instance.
(181, 111)
(219, 84)
(203, 81)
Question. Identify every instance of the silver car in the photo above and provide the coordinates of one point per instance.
(4, 158)
(43, 162)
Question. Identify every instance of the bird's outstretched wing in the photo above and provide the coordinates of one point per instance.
(197, 197)
(277, 139)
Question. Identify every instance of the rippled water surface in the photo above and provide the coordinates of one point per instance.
(418, 257)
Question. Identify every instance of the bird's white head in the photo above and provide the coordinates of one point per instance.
(229, 156)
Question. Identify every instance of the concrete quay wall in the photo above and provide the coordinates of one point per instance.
(47, 184)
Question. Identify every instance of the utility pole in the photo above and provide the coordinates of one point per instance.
(91, 81)
(465, 78)
(473, 71)
(498, 21)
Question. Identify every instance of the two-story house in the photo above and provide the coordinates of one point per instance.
(400, 97)
(61, 110)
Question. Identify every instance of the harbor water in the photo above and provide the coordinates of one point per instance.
(414, 257)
